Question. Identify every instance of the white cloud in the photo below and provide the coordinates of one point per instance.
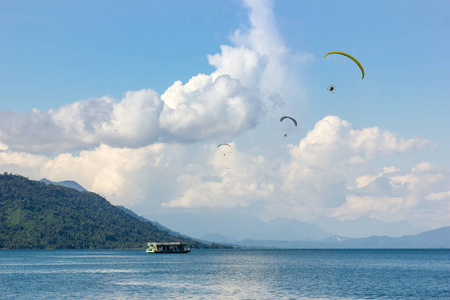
(438, 196)
(2, 146)
(82, 120)
(260, 58)
(225, 181)
(206, 107)
(84, 124)
(239, 62)
(201, 109)
(33, 132)
(321, 176)
(22, 163)
(365, 180)
(263, 35)
(329, 168)
(377, 207)
(105, 170)
(134, 120)
(418, 196)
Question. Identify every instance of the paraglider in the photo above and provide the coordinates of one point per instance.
(225, 148)
(223, 145)
(292, 119)
(349, 56)
(289, 118)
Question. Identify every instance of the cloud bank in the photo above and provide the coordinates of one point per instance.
(201, 109)
(328, 172)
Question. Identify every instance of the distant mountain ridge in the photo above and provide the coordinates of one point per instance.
(226, 227)
(156, 224)
(365, 226)
(432, 239)
(66, 183)
(231, 227)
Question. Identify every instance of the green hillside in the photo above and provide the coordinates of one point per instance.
(34, 215)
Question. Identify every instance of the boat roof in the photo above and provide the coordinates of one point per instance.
(169, 243)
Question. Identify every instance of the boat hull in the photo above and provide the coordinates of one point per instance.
(167, 252)
(167, 248)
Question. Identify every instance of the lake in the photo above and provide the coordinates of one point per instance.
(225, 274)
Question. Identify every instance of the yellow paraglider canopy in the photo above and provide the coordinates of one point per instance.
(349, 56)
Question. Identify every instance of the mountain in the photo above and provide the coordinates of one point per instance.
(34, 215)
(432, 239)
(132, 213)
(286, 229)
(66, 183)
(230, 227)
(366, 226)
(154, 223)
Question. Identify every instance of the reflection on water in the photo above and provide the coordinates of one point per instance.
(225, 274)
(73, 271)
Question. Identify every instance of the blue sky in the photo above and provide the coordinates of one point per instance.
(58, 52)
(71, 72)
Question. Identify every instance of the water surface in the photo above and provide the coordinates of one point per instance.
(225, 274)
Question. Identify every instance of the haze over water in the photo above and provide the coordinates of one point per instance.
(225, 274)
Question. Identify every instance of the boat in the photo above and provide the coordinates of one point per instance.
(173, 247)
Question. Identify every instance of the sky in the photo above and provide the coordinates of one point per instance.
(131, 98)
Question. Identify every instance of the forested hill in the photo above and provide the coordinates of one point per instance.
(34, 215)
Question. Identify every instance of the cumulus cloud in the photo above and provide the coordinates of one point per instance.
(438, 196)
(206, 107)
(22, 163)
(103, 169)
(85, 124)
(201, 109)
(261, 58)
(134, 120)
(326, 173)
(239, 62)
(418, 195)
(235, 179)
(334, 139)
(33, 132)
(123, 175)
(332, 153)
